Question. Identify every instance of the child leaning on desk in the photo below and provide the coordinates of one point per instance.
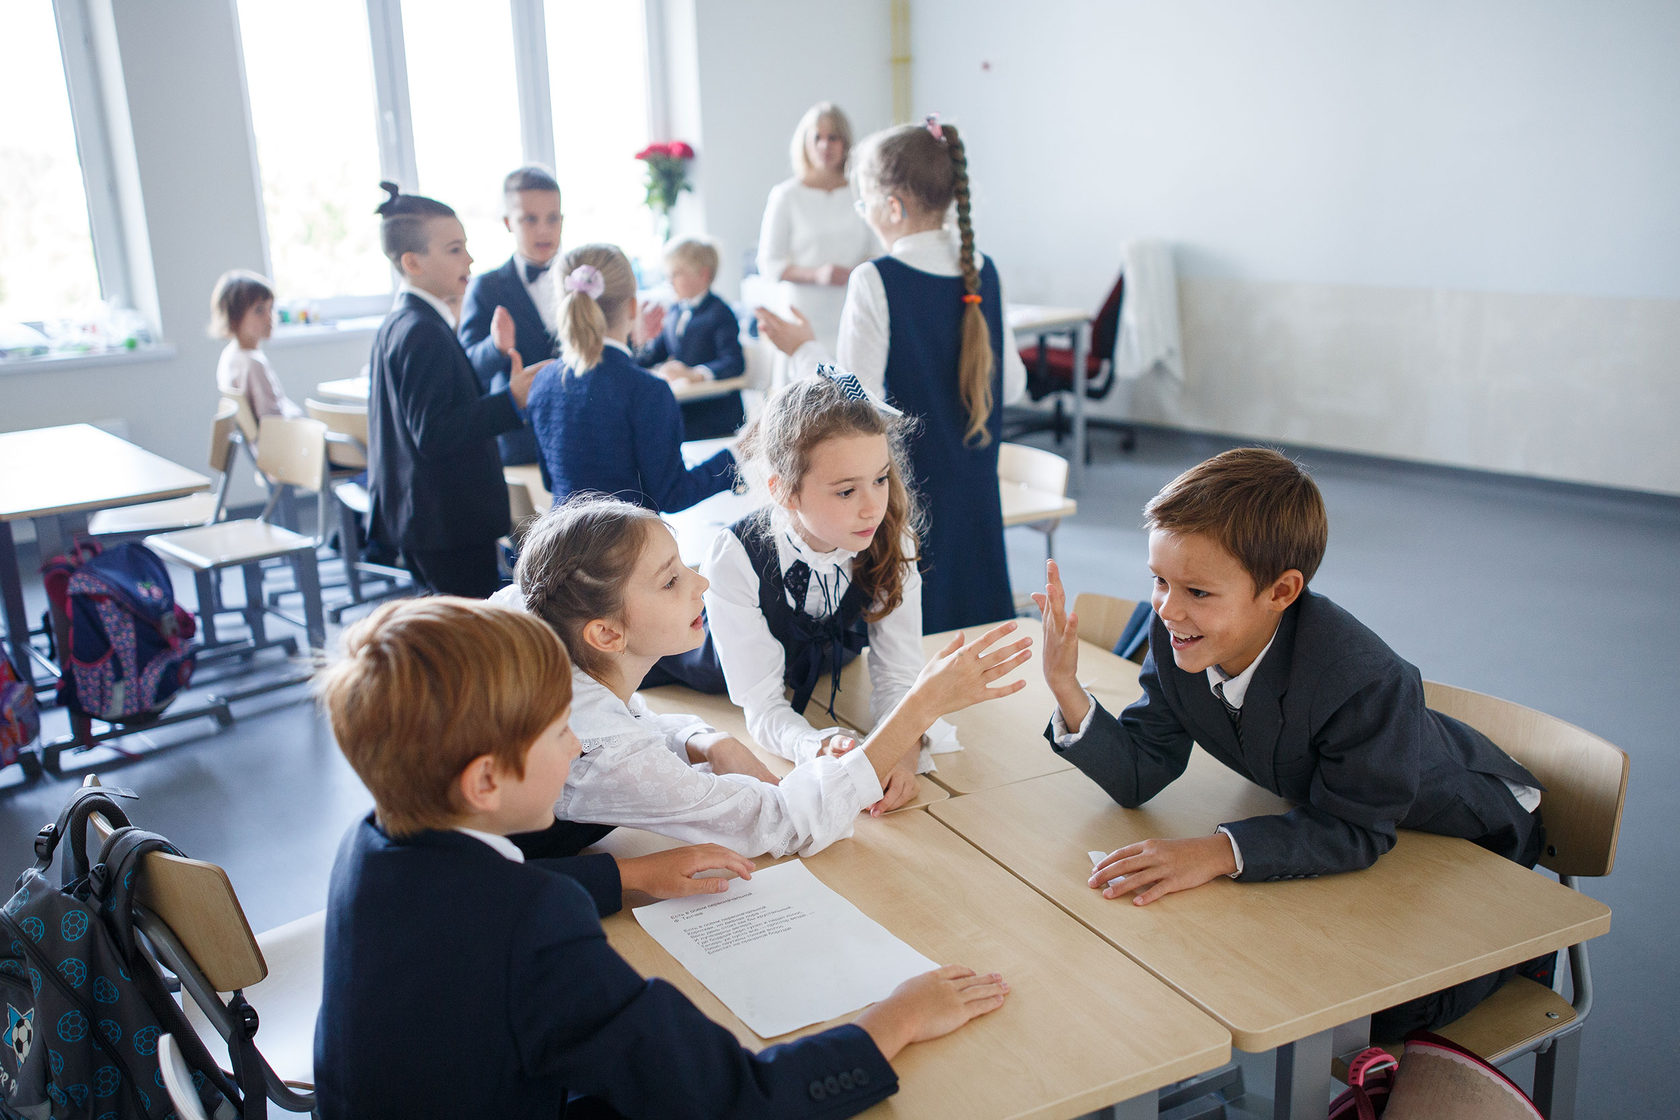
(461, 980)
(699, 339)
(1290, 691)
(607, 577)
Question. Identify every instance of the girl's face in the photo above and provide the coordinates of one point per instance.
(843, 497)
(825, 147)
(256, 324)
(662, 601)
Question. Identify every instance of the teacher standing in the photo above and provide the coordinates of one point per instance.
(812, 236)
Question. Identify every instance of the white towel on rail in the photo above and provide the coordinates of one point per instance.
(1149, 333)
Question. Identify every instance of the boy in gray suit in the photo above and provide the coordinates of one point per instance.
(1288, 690)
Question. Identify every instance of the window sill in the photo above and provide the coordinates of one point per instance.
(305, 334)
(104, 359)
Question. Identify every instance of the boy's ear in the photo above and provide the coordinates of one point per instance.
(604, 635)
(508, 222)
(479, 785)
(1285, 590)
(407, 267)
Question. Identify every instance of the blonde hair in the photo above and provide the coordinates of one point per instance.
(236, 292)
(782, 441)
(424, 686)
(1258, 505)
(910, 161)
(584, 319)
(696, 252)
(798, 154)
(574, 564)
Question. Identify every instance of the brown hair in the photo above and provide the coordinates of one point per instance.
(933, 172)
(583, 318)
(424, 686)
(529, 178)
(786, 434)
(1259, 505)
(798, 154)
(236, 292)
(403, 220)
(574, 563)
(696, 252)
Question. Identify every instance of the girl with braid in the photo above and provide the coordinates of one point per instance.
(923, 328)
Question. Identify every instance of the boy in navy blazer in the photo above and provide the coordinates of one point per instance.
(1288, 690)
(438, 490)
(512, 308)
(461, 980)
(699, 340)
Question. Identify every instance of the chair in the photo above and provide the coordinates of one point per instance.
(194, 509)
(290, 452)
(1050, 370)
(1103, 618)
(1033, 486)
(1586, 786)
(347, 463)
(195, 928)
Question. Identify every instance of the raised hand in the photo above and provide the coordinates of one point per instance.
(501, 330)
(1061, 647)
(962, 674)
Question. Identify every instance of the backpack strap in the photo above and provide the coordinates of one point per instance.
(72, 821)
(113, 882)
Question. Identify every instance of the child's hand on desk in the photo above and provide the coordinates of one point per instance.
(671, 874)
(676, 373)
(501, 330)
(784, 334)
(728, 755)
(930, 1006)
(962, 674)
(900, 788)
(1061, 647)
(1152, 868)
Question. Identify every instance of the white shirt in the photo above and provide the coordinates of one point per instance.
(810, 227)
(635, 772)
(754, 661)
(441, 307)
(505, 848)
(542, 293)
(246, 373)
(865, 324)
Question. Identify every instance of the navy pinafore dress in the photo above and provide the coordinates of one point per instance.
(965, 574)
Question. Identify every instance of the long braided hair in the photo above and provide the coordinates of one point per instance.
(928, 163)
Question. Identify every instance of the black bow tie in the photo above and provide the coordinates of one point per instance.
(797, 579)
(533, 272)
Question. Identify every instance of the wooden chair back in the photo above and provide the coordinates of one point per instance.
(348, 421)
(1033, 467)
(1102, 618)
(1585, 776)
(244, 417)
(292, 451)
(222, 427)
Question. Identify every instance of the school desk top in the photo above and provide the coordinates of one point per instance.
(78, 468)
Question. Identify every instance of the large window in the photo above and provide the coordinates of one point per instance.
(309, 72)
(47, 267)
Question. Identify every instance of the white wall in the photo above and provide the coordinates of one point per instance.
(1434, 230)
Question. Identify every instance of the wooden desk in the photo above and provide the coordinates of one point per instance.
(1003, 740)
(1041, 321)
(1279, 964)
(1023, 505)
(1062, 1045)
(346, 390)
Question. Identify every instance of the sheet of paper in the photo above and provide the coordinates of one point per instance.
(1098, 857)
(782, 951)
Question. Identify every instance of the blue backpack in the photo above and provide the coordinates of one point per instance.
(130, 646)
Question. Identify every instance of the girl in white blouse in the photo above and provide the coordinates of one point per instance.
(606, 576)
(242, 311)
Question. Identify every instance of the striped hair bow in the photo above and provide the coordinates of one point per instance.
(852, 389)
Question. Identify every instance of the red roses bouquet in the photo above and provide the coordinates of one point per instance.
(667, 174)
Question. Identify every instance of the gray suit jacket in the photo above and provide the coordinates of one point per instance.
(1333, 721)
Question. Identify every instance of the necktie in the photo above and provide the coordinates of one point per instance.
(1230, 709)
(533, 272)
(797, 580)
(683, 316)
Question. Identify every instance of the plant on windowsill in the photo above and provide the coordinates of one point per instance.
(667, 177)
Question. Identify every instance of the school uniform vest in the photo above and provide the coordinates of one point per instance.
(965, 573)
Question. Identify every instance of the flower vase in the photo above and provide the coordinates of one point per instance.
(662, 227)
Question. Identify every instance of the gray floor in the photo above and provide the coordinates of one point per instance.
(1557, 597)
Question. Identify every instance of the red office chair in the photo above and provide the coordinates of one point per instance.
(1050, 370)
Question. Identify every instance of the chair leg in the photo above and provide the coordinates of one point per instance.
(1556, 1071)
(347, 549)
(308, 577)
(1050, 541)
(205, 581)
(254, 605)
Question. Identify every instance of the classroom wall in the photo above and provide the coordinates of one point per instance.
(1435, 231)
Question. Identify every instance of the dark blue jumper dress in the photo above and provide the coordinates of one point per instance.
(965, 574)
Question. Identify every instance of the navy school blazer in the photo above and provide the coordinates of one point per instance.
(460, 983)
(505, 287)
(712, 340)
(433, 467)
(1333, 721)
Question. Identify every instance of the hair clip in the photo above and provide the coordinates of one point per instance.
(587, 280)
(852, 389)
(931, 123)
(971, 297)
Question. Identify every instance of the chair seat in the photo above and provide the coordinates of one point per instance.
(287, 1000)
(1058, 362)
(355, 495)
(1506, 1025)
(1023, 505)
(155, 517)
(228, 543)
(530, 475)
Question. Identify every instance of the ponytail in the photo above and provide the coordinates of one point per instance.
(974, 367)
(596, 284)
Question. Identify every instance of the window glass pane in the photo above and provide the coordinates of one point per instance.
(597, 70)
(461, 92)
(46, 250)
(310, 75)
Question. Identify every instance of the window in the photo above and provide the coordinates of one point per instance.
(47, 265)
(309, 73)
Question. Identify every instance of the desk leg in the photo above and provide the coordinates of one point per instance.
(1081, 348)
(11, 590)
(1302, 1088)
